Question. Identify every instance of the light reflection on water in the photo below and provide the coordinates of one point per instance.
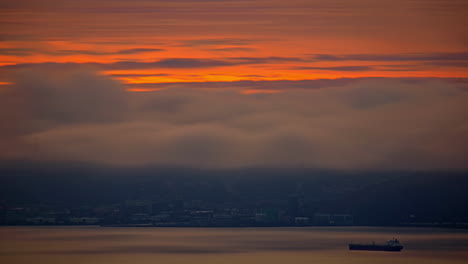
(226, 245)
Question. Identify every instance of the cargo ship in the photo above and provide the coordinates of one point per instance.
(391, 245)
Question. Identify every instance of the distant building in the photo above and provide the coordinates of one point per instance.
(140, 218)
(222, 219)
(322, 219)
(342, 219)
(41, 220)
(201, 218)
(260, 218)
(85, 220)
(179, 205)
(15, 215)
(195, 204)
(162, 217)
(295, 206)
(333, 219)
(301, 221)
(267, 216)
(139, 207)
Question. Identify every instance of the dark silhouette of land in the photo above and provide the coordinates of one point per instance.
(83, 194)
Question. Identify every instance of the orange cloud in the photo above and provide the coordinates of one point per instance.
(143, 89)
(256, 91)
(225, 39)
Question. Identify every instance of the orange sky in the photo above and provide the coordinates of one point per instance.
(233, 40)
(235, 83)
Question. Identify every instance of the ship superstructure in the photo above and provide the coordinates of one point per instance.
(391, 245)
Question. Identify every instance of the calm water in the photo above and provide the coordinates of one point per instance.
(226, 245)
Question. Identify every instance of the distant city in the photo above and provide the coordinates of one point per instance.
(64, 195)
(173, 213)
(193, 213)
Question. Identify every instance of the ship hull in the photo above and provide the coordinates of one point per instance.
(375, 247)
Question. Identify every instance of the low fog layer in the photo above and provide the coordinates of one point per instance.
(76, 115)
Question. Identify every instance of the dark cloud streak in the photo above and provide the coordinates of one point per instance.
(21, 52)
(170, 63)
(362, 68)
(300, 84)
(443, 56)
(217, 41)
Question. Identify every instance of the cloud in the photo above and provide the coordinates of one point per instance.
(20, 52)
(365, 124)
(42, 99)
(138, 74)
(361, 68)
(216, 41)
(338, 68)
(73, 97)
(13, 118)
(460, 64)
(441, 56)
(233, 49)
(16, 51)
(169, 63)
(118, 52)
(294, 85)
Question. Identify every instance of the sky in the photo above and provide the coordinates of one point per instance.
(335, 84)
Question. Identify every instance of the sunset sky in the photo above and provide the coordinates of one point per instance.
(234, 83)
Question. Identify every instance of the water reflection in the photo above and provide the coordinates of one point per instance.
(233, 245)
